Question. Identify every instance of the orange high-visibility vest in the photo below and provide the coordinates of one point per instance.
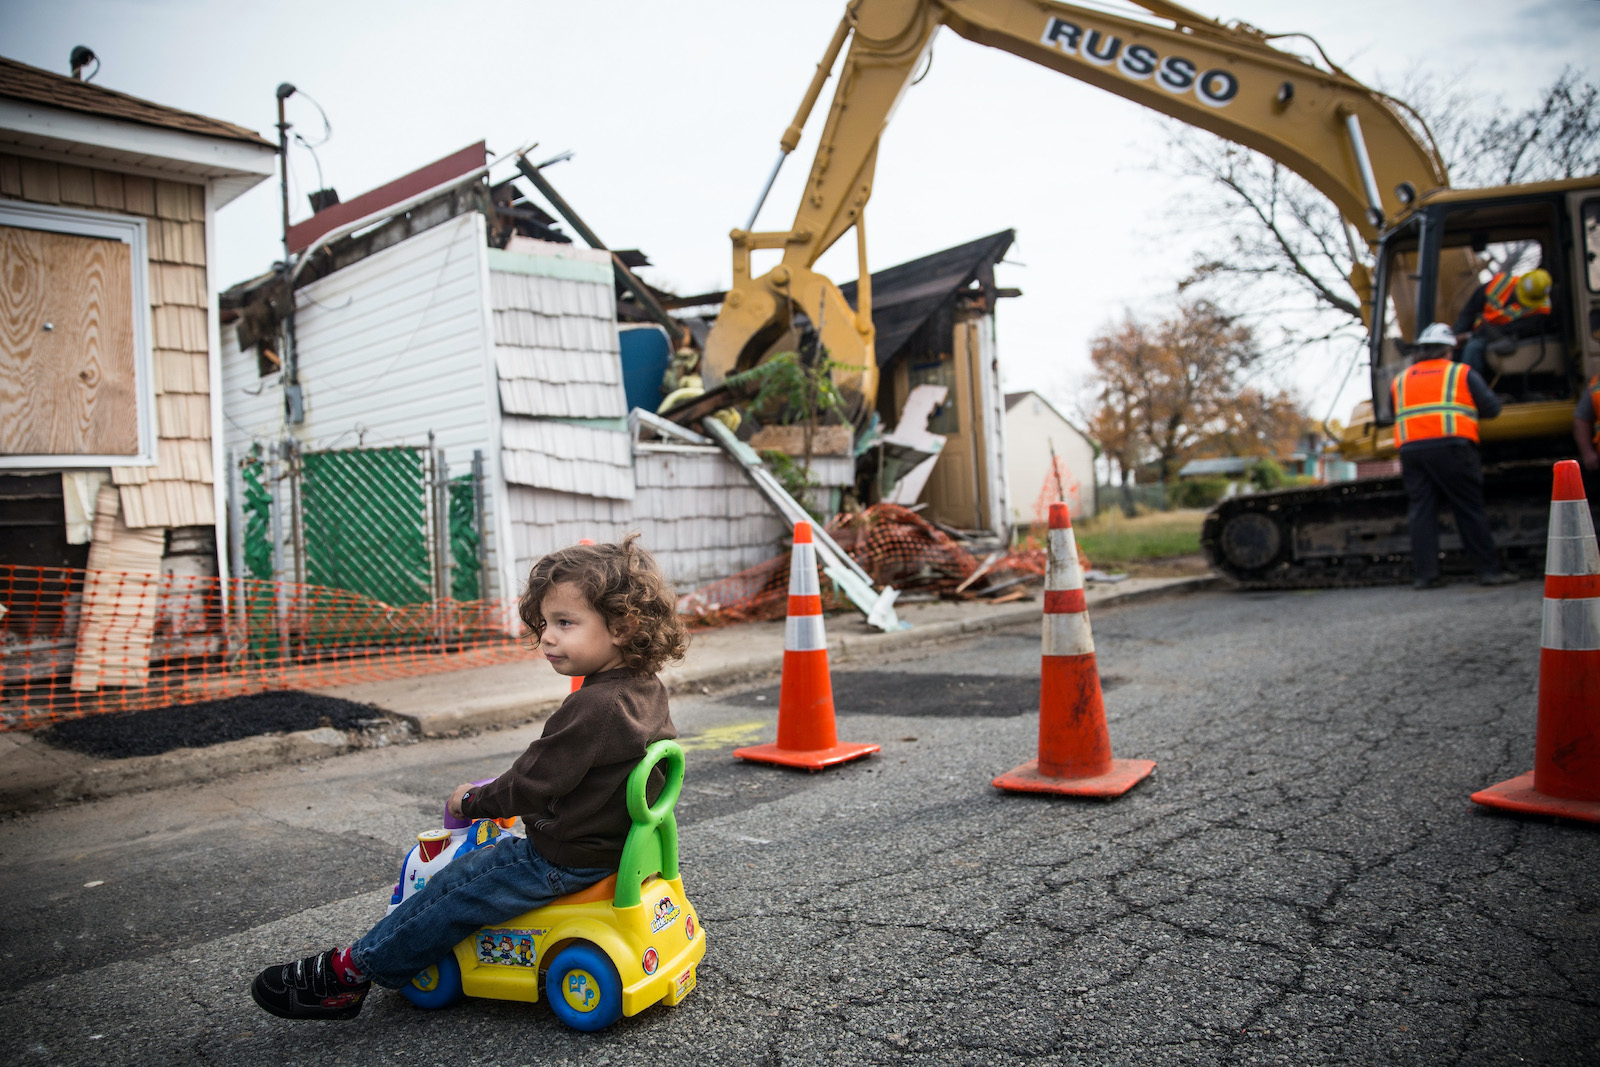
(1594, 399)
(1431, 399)
(1500, 306)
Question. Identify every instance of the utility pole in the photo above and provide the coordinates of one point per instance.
(293, 403)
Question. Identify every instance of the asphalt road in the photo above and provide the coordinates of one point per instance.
(1302, 881)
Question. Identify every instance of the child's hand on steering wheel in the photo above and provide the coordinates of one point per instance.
(455, 799)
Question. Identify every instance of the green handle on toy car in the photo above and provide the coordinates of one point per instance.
(652, 845)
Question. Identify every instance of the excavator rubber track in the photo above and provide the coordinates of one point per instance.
(1354, 533)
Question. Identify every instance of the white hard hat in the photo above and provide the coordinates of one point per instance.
(1437, 334)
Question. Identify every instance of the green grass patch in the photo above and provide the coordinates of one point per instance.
(1111, 537)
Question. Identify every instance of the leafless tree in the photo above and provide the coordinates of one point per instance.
(1282, 251)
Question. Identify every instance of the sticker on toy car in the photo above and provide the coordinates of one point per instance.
(666, 912)
(507, 948)
(650, 961)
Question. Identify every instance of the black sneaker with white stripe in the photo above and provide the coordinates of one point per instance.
(308, 989)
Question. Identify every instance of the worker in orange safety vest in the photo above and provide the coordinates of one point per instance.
(1507, 305)
(1437, 405)
(1585, 426)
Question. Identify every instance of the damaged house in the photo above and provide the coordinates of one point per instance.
(934, 319)
(467, 389)
(109, 358)
(457, 404)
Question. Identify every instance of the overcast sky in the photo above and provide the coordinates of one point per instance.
(673, 111)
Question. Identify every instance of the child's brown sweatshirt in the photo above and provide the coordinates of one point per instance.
(570, 785)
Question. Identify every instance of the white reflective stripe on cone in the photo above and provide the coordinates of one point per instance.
(803, 571)
(1571, 625)
(1067, 635)
(1571, 548)
(804, 633)
(1063, 571)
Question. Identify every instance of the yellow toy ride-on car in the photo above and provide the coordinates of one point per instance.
(607, 951)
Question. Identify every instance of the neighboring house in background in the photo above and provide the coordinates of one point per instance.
(108, 339)
(437, 324)
(1233, 467)
(1033, 427)
(1309, 459)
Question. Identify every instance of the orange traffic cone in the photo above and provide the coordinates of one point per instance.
(806, 734)
(1074, 748)
(577, 680)
(1565, 779)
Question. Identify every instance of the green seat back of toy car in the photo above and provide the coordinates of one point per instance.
(652, 845)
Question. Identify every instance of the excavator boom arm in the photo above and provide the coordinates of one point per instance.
(1346, 140)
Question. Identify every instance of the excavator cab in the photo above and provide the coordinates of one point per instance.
(1431, 266)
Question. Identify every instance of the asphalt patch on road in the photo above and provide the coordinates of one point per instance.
(152, 731)
(922, 695)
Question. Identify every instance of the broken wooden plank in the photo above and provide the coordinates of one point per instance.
(983, 568)
(121, 590)
(1007, 584)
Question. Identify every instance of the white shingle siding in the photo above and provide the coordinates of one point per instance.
(694, 510)
(556, 349)
(567, 457)
(549, 295)
(569, 333)
(580, 400)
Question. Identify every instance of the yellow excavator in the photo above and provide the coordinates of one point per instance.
(1432, 247)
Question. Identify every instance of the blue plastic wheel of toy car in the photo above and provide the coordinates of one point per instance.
(437, 987)
(583, 988)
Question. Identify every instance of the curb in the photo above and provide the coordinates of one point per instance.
(454, 721)
(856, 646)
(186, 766)
(181, 766)
(862, 644)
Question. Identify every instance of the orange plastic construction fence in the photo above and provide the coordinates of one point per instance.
(76, 643)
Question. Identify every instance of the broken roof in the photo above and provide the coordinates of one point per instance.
(456, 165)
(19, 81)
(906, 295)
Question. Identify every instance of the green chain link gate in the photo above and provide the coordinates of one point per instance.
(364, 522)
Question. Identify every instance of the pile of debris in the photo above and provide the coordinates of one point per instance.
(896, 547)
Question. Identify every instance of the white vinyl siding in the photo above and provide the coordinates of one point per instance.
(391, 347)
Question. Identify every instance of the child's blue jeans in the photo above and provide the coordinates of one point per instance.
(483, 887)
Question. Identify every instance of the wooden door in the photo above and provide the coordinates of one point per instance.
(67, 362)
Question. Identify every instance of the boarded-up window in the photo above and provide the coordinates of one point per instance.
(72, 375)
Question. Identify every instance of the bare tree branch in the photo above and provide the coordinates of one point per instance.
(1279, 239)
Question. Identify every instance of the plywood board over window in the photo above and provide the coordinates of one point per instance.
(75, 371)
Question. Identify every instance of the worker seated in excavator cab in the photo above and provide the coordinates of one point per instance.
(1507, 329)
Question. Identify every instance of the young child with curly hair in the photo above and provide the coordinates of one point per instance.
(600, 612)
